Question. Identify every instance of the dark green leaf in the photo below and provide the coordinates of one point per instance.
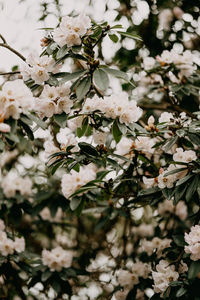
(116, 132)
(62, 52)
(74, 203)
(113, 37)
(116, 73)
(83, 87)
(194, 269)
(181, 292)
(101, 79)
(192, 188)
(61, 119)
(130, 35)
(88, 149)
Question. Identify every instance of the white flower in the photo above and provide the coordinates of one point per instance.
(155, 244)
(116, 105)
(193, 241)
(57, 258)
(11, 183)
(124, 147)
(39, 74)
(74, 180)
(66, 138)
(163, 275)
(127, 279)
(71, 30)
(99, 137)
(184, 156)
(6, 245)
(165, 117)
(148, 63)
(19, 244)
(15, 98)
(181, 210)
(145, 144)
(4, 127)
(149, 182)
(54, 100)
(167, 181)
(38, 68)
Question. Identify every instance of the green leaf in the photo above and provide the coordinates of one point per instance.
(27, 129)
(184, 179)
(136, 126)
(180, 132)
(46, 275)
(88, 149)
(66, 76)
(83, 87)
(101, 79)
(181, 292)
(39, 122)
(192, 188)
(147, 192)
(61, 119)
(116, 132)
(116, 26)
(170, 143)
(116, 73)
(52, 81)
(114, 38)
(62, 52)
(174, 171)
(179, 240)
(194, 269)
(74, 203)
(12, 137)
(194, 138)
(130, 35)
(1, 145)
(81, 131)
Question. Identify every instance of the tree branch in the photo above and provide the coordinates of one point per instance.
(9, 73)
(5, 45)
(3, 39)
(167, 107)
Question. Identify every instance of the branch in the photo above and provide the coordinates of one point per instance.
(167, 107)
(9, 73)
(5, 45)
(3, 39)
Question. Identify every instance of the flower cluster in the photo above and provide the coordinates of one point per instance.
(57, 258)
(53, 100)
(9, 246)
(163, 275)
(13, 183)
(193, 241)
(71, 30)
(38, 68)
(74, 180)
(115, 106)
(15, 98)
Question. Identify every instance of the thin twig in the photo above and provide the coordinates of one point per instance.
(9, 73)
(13, 50)
(3, 39)
(167, 107)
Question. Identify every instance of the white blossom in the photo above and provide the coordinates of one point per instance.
(163, 275)
(57, 258)
(193, 240)
(74, 180)
(71, 30)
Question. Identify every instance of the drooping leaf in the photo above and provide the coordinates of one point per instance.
(101, 79)
(83, 87)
